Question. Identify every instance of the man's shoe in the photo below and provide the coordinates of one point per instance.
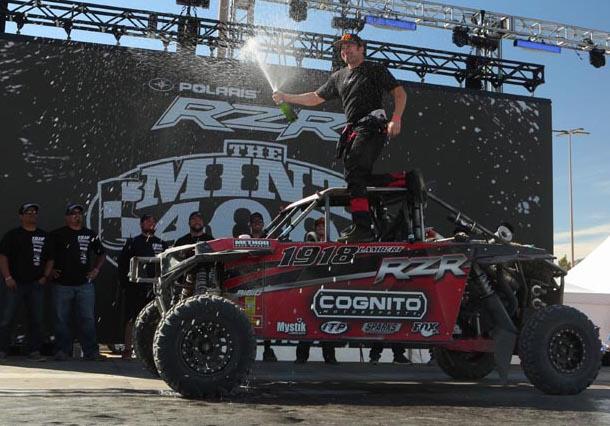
(401, 359)
(127, 354)
(35, 356)
(374, 361)
(300, 361)
(94, 357)
(269, 355)
(60, 356)
(3, 355)
(358, 234)
(331, 361)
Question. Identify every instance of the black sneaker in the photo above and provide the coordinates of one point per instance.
(300, 361)
(401, 359)
(269, 355)
(374, 361)
(358, 234)
(331, 361)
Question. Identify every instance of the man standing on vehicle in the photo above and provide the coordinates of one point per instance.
(360, 86)
(137, 295)
(196, 231)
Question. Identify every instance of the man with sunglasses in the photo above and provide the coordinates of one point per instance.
(78, 256)
(25, 266)
(360, 86)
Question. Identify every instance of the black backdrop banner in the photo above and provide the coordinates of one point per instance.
(128, 132)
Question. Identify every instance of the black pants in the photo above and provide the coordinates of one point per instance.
(377, 348)
(328, 351)
(360, 157)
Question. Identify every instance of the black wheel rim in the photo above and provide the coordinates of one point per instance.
(567, 350)
(206, 347)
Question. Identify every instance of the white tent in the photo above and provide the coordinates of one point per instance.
(587, 288)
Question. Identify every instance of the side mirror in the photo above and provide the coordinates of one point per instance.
(505, 232)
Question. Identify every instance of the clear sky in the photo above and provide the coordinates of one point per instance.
(580, 94)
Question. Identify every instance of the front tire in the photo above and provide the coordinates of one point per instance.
(464, 365)
(144, 334)
(560, 349)
(204, 346)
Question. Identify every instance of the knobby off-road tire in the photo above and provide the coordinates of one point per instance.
(560, 350)
(204, 347)
(144, 334)
(464, 365)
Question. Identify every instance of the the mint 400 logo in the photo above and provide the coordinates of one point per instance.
(247, 176)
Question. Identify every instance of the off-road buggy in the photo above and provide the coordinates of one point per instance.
(475, 298)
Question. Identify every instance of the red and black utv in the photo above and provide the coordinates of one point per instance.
(474, 298)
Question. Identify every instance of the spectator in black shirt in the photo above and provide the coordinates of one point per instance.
(137, 295)
(73, 246)
(25, 266)
(197, 231)
(360, 86)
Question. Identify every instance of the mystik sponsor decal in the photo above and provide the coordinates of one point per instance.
(297, 328)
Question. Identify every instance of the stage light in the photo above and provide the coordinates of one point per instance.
(597, 57)
(68, 27)
(460, 36)
(390, 23)
(20, 19)
(297, 10)
(117, 33)
(194, 3)
(344, 23)
(487, 43)
(528, 44)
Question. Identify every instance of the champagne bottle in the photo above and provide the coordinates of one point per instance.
(288, 112)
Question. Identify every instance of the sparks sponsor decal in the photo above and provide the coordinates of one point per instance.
(426, 329)
(404, 268)
(369, 304)
(381, 327)
(249, 176)
(297, 328)
(334, 327)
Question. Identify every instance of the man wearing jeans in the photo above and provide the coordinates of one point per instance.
(25, 267)
(73, 249)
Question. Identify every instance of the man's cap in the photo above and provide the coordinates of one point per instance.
(145, 217)
(74, 206)
(256, 215)
(318, 221)
(349, 38)
(26, 206)
(192, 215)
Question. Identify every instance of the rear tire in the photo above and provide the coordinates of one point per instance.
(464, 365)
(204, 347)
(560, 350)
(144, 334)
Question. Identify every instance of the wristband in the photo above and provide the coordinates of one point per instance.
(397, 116)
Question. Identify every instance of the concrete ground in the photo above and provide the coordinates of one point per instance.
(121, 392)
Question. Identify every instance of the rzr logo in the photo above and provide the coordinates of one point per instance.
(403, 268)
(221, 116)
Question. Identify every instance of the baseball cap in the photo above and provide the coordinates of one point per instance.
(74, 206)
(192, 215)
(256, 215)
(349, 38)
(145, 217)
(26, 206)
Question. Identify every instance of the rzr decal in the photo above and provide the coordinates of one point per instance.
(403, 268)
(369, 304)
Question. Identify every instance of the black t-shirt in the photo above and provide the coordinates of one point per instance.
(141, 246)
(189, 239)
(361, 89)
(72, 254)
(27, 252)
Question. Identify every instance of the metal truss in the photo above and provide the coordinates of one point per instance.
(299, 45)
(444, 16)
